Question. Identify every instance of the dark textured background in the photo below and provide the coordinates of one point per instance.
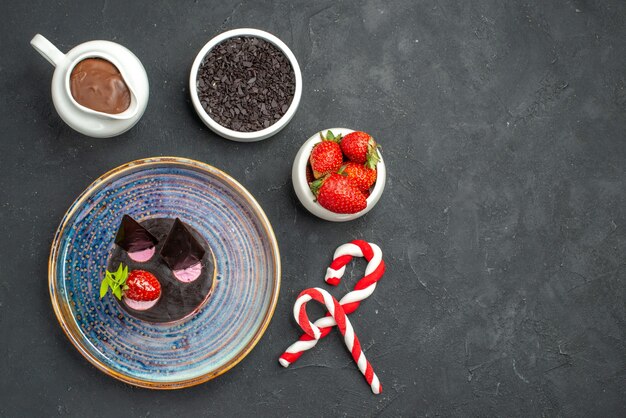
(503, 221)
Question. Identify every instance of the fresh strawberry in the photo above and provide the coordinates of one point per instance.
(326, 156)
(337, 194)
(360, 175)
(309, 173)
(360, 147)
(140, 289)
(142, 286)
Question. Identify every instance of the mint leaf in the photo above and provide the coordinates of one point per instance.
(115, 281)
(104, 286)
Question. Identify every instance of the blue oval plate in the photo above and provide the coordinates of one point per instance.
(223, 331)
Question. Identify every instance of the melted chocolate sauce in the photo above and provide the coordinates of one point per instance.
(97, 84)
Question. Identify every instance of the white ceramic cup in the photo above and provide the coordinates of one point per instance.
(230, 133)
(83, 119)
(306, 196)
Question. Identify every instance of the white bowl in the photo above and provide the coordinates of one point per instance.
(306, 196)
(230, 133)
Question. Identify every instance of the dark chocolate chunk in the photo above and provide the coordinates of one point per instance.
(181, 250)
(240, 79)
(133, 237)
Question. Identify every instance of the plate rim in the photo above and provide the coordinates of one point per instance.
(52, 264)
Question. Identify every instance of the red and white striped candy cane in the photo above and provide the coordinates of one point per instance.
(351, 301)
(345, 327)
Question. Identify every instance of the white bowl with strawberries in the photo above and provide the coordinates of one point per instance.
(339, 174)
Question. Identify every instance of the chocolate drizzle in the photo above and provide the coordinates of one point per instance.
(133, 237)
(181, 250)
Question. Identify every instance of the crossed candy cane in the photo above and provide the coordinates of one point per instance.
(351, 301)
(345, 327)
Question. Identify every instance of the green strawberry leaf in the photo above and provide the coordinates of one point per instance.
(372, 156)
(330, 137)
(317, 184)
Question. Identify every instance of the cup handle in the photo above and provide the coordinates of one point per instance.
(47, 50)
